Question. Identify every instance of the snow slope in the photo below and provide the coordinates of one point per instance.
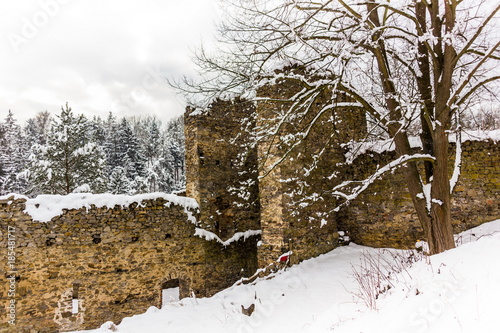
(456, 291)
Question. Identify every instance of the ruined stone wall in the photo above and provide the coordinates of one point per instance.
(222, 167)
(291, 200)
(221, 174)
(113, 260)
(384, 215)
(477, 195)
(298, 154)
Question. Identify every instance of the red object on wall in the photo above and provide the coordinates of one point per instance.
(283, 258)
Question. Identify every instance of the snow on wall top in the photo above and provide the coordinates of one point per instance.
(12, 196)
(210, 236)
(45, 207)
(356, 149)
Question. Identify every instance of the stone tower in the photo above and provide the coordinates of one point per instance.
(221, 174)
(298, 166)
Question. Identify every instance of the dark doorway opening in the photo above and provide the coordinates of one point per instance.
(169, 291)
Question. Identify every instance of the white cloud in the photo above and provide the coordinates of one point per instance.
(99, 56)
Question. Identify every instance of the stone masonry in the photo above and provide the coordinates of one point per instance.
(114, 260)
(296, 208)
(221, 174)
(383, 216)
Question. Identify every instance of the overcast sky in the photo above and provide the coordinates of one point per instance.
(100, 56)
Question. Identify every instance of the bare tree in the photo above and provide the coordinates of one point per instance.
(408, 63)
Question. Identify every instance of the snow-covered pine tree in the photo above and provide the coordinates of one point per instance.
(97, 131)
(129, 151)
(162, 168)
(118, 182)
(70, 161)
(111, 144)
(36, 129)
(175, 143)
(118, 138)
(152, 148)
(12, 157)
(163, 148)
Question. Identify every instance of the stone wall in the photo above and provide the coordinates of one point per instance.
(221, 174)
(221, 168)
(384, 216)
(291, 201)
(115, 261)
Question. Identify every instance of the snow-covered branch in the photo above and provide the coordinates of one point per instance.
(355, 188)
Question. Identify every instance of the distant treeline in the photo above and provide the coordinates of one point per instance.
(71, 153)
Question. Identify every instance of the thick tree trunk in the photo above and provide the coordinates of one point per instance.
(425, 89)
(435, 221)
(441, 233)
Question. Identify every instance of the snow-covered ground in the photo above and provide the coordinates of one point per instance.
(456, 291)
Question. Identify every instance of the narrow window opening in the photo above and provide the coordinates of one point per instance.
(76, 290)
(201, 156)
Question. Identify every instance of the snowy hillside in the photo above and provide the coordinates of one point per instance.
(456, 291)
